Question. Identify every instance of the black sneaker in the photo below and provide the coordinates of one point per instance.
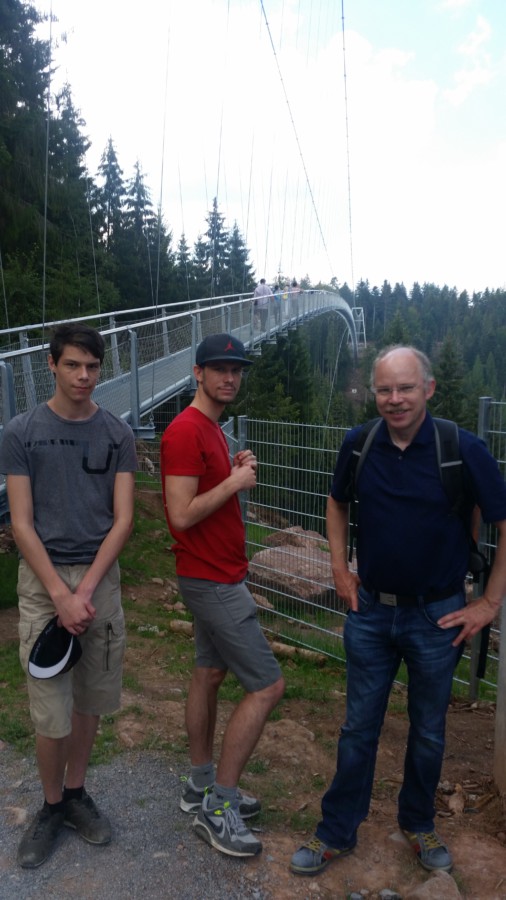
(87, 820)
(39, 838)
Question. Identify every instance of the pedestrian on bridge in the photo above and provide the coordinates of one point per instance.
(406, 602)
(70, 483)
(200, 489)
(262, 295)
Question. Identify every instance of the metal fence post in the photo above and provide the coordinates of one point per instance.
(474, 681)
(242, 437)
(500, 712)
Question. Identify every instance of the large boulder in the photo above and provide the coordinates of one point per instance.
(296, 563)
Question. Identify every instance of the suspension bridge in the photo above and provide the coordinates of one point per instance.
(149, 358)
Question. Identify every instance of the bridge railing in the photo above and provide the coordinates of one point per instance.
(150, 352)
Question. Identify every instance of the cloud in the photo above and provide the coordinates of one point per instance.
(477, 70)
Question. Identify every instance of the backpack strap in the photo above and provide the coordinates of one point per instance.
(358, 454)
(363, 441)
(450, 465)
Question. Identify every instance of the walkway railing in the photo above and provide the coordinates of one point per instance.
(150, 352)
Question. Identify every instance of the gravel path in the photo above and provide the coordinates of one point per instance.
(154, 853)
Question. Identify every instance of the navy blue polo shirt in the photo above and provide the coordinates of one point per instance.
(409, 541)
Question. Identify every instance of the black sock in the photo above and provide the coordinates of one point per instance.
(72, 794)
(55, 807)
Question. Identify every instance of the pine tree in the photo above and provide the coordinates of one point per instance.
(183, 275)
(108, 198)
(238, 275)
(217, 247)
(448, 400)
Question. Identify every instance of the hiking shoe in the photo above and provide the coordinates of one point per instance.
(314, 857)
(192, 797)
(432, 854)
(224, 829)
(87, 820)
(39, 838)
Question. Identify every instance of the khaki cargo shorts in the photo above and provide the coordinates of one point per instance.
(93, 686)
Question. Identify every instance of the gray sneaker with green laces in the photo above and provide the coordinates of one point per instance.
(192, 797)
(432, 853)
(224, 829)
(314, 857)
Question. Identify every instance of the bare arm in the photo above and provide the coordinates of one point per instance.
(346, 582)
(480, 612)
(186, 507)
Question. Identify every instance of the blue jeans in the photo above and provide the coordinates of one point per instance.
(377, 638)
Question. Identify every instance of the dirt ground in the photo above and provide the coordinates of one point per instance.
(298, 752)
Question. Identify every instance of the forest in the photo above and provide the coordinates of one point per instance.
(74, 244)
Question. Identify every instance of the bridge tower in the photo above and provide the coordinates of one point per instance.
(358, 318)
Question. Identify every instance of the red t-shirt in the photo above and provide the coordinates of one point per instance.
(214, 548)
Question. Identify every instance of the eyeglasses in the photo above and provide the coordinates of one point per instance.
(403, 390)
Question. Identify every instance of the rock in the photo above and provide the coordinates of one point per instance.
(262, 601)
(296, 563)
(439, 886)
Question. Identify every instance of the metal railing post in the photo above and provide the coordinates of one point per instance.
(116, 368)
(8, 394)
(165, 332)
(28, 381)
(193, 351)
(135, 415)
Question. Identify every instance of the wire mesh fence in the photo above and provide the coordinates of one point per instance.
(289, 562)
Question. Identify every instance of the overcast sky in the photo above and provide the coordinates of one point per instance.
(231, 99)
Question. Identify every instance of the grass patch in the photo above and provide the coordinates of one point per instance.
(147, 553)
(8, 580)
(15, 725)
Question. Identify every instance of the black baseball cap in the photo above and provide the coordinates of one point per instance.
(55, 651)
(221, 348)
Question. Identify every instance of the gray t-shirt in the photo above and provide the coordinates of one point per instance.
(72, 467)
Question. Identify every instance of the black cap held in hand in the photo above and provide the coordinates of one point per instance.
(55, 651)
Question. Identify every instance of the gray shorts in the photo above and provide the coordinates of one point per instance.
(93, 686)
(227, 632)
